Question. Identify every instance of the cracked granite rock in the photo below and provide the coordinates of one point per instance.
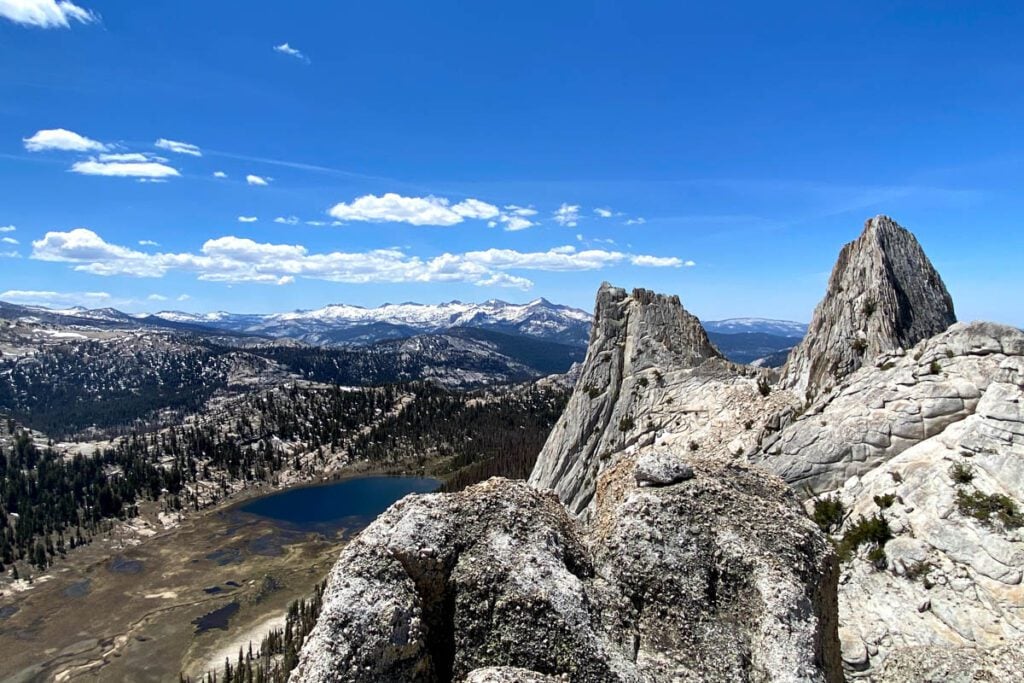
(718, 578)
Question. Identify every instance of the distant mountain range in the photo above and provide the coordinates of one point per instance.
(743, 340)
(343, 324)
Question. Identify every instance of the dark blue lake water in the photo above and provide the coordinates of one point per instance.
(351, 503)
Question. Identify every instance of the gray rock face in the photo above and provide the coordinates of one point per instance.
(718, 578)
(954, 665)
(658, 468)
(883, 295)
(639, 345)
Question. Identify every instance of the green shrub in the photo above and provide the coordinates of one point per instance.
(869, 307)
(961, 473)
(984, 507)
(626, 423)
(859, 344)
(763, 387)
(642, 382)
(867, 530)
(828, 513)
(885, 502)
(935, 367)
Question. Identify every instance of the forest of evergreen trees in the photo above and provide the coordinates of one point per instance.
(51, 503)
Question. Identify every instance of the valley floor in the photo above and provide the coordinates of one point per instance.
(123, 608)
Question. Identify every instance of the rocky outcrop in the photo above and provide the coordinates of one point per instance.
(901, 400)
(718, 577)
(883, 295)
(954, 665)
(650, 374)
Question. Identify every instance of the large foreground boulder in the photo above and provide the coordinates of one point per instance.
(717, 577)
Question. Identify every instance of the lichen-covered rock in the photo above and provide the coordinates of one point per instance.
(717, 578)
(883, 295)
(511, 674)
(661, 468)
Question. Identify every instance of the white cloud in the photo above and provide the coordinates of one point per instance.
(316, 223)
(220, 174)
(604, 213)
(636, 221)
(61, 139)
(520, 210)
(183, 297)
(247, 219)
(7, 228)
(51, 298)
(567, 215)
(237, 259)
(129, 156)
(9, 254)
(130, 169)
(286, 49)
(8, 240)
(148, 243)
(289, 220)
(157, 297)
(178, 147)
(656, 261)
(45, 13)
(394, 208)
(255, 180)
(689, 263)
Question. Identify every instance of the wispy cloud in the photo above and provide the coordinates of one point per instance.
(286, 49)
(52, 298)
(45, 13)
(178, 147)
(125, 169)
(567, 215)
(287, 220)
(148, 243)
(220, 174)
(7, 228)
(256, 180)
(236, 259)
(247, 219)
(156, 297)
(394, 208)
(61, 139)
(8, 240)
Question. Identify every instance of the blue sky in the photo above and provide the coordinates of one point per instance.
(431, 151)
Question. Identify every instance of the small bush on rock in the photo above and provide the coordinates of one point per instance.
(961, 473)
(867, 530)
(828, 513)
(984, 507)
(885, 502)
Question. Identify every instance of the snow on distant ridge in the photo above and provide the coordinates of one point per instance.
(782, 328)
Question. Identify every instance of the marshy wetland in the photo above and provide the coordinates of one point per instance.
(186, 598)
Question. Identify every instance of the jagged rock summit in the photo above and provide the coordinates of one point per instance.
(883, 295)
(640, 343)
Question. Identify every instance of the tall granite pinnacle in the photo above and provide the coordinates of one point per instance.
(635, 337)
(883, 294)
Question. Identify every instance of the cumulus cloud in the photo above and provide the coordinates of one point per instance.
(178, 147)
(247, 219)
(567, 215)
(286, 49)
(45, 13)
(256, 180)
(7, 228)
(61, 139)
(394, 208)
(657, 261)
(52, 298)
(220, 174)
(604, 213)
(125, 169)
(287, 220)
(238, 259)
(183, 297)
(514, 218)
